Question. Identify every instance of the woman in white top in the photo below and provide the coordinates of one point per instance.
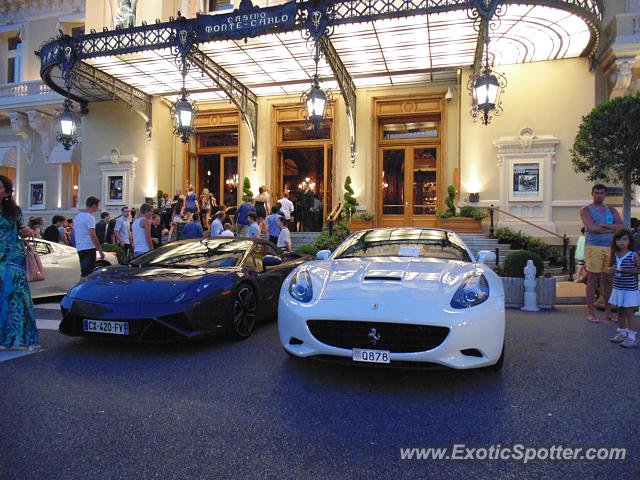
(284, 239)
(141, 229)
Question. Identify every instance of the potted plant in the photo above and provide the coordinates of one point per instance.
(465, 220)
(361, 221)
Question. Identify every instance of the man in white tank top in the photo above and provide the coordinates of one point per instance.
(141, 229)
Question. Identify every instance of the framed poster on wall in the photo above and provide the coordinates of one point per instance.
(116, 188)
(37, 195)
(526, 181)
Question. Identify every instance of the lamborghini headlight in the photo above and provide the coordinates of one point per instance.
(473, 291)
(192, 292)
(300, 287)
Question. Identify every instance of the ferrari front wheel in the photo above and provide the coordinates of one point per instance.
(245, 310)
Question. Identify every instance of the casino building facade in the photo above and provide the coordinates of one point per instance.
(400, 119)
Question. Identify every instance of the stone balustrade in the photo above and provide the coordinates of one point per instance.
(24, 89)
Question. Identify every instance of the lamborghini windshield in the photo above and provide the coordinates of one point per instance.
(205, 253)
(403, 242)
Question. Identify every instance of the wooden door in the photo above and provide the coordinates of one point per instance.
(408, 179)
(394, 183)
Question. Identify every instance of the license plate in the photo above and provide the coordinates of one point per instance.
(103, 326)
(370, 356)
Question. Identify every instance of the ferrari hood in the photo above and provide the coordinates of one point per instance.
(130, 285)
(426, 279)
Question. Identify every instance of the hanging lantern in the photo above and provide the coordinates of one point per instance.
(315, 99)
(183, 113)
(67, 123)
(486, 89)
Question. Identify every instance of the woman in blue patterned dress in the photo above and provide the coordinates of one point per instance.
(17, 320)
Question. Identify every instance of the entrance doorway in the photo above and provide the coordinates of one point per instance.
(219, 174)
(409, 181)
(307, 167)
(409, 164)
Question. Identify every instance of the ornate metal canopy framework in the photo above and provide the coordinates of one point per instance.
(78, 61)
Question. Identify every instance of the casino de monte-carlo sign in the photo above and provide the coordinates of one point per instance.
(246, 21)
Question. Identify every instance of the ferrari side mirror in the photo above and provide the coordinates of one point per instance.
(323, 255)
(485, 256)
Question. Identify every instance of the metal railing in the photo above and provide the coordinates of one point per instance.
(333, 216)
(564, 238)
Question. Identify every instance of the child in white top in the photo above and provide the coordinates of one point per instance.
(625, 292)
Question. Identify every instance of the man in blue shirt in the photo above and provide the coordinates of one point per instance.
(272, 224)
(254, 226)
(241, 217)
(193, 229)
(216, 225)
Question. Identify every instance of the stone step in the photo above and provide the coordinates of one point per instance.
(303, 238)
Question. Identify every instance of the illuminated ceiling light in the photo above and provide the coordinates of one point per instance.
(67, 123)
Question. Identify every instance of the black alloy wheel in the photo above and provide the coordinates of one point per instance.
(245, 310)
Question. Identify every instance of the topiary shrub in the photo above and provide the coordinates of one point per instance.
(112, 247)
(349, 200)
(306, 250)
(514, 263)
(246, 188)
(330, 242)
(451, 196)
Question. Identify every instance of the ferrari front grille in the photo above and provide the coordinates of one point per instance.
(394, 337)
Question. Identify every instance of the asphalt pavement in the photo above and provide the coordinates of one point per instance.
(87, 409)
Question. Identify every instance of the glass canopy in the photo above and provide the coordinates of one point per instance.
(383, 52)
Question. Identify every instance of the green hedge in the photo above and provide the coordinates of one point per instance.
(306, 250)
(514, 263)
(112, 247)
(519, 241)
(330, 242)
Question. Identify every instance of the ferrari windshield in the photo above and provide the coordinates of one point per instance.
(205, 253)
(403, 242)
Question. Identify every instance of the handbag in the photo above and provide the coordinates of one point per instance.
(33, 264)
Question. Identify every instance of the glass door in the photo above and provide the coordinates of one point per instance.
(229, 181)
(409, 185)
(393, 182)
(218, 173)
(424, 188)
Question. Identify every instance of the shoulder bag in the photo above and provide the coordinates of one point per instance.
(33, 264)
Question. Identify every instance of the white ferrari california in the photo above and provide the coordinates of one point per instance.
(61, 268)
(394, 296)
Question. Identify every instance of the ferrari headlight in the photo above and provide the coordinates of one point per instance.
(473, 291)
(300, 287)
